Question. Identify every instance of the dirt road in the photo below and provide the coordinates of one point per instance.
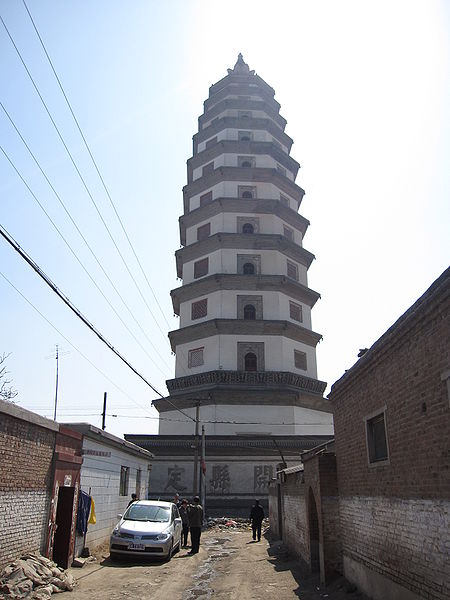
(229, 566)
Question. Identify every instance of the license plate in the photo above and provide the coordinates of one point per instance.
(136, 547)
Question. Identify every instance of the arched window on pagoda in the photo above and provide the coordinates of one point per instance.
(248, 228)
(249, 312)
(250, 362)
(249, 269)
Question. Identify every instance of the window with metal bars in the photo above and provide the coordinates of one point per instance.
(292, 270)
(124, 478)
(300, 360)
(288, 233)
(376, 438)
(295, 311)
(199, 309)
(208, 169)
(203, 231)
(201, 268)
(195, 357)
(206, 198)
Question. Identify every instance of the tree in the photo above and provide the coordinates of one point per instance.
(7, 392)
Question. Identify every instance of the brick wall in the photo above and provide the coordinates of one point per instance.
(26, 455)
(274, 511)
(407, 541)
(321, 477)
(295, 530)
(395, 516)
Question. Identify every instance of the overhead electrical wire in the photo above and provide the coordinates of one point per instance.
(68, 303)
(80, 263)
(72, 344)
(66, 210)
(81, 177)
(94, 162)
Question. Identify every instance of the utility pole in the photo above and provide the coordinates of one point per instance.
(195, 485)
(104, 411)
(203, 474)
(56, 389)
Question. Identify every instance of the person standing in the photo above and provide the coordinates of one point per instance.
(256, 517)
(195, 512)
(134, 498)
(185, 521)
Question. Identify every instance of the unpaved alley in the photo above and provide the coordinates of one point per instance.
(229, 566)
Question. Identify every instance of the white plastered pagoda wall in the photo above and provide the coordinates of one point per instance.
(242, 176)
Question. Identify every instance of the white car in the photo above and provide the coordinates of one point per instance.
(147, 528)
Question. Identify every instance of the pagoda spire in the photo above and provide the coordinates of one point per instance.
(241, 67)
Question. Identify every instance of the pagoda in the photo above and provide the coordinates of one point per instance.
(245, 349)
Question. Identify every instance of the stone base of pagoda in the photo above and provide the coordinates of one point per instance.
(238, 468)
(233, 402)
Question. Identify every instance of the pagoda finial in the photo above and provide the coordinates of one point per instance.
(241, 67)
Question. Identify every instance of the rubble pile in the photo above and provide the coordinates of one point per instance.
(223, 523)
(33, 577)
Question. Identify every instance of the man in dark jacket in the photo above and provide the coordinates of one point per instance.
(195, 512)
(256, 517)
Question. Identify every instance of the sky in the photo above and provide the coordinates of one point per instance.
(364, 88)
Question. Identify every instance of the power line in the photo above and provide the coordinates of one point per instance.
(223, 422)
(66, 210)
(94, 162)
(81, 176)
(68, 303)
(81, 264)
(73, 345)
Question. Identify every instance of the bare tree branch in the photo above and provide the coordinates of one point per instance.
(7, 392)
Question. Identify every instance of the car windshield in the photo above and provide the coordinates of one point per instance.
(147, 512)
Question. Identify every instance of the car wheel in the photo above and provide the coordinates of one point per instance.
(170, 553)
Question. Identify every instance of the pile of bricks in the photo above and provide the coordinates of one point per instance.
(33, 576)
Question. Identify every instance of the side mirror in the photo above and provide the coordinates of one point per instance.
(119, 516)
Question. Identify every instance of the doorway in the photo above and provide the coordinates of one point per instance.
(63, 522)
(313, 519)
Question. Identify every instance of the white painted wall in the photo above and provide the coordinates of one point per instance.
(225, 261)
(258, 135)
(223, 305)
(102, 475)
(220, 352)
(234, 113)
(297, 420)
(227, 222)
(262, 161)
(229, 189)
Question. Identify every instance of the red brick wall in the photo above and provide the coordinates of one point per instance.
(395, 517)
(406, 377)
(26, 454)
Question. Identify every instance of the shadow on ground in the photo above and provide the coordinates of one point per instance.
(309, 586)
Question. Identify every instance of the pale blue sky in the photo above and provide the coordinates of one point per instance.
(364, 88)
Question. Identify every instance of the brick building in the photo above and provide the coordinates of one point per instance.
(376, 506)
(25, 484)
(392, 427)
(43, 467)
(304, 511)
